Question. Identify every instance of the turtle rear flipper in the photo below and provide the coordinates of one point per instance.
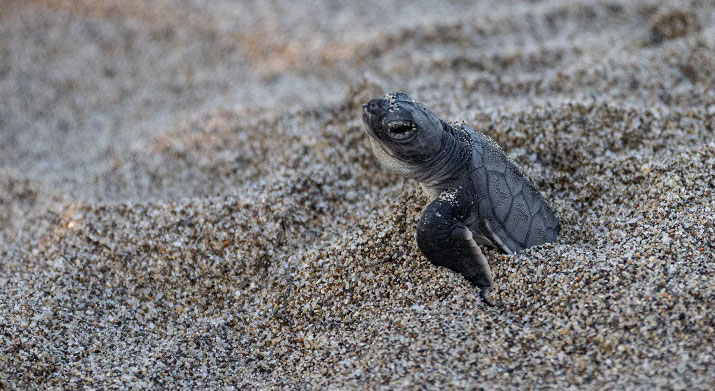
(444, 238)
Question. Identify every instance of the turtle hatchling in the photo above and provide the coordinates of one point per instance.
(479, 196)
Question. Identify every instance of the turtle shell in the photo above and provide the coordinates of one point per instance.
(512, 212)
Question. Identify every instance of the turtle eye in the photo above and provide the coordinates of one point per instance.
(401, 129)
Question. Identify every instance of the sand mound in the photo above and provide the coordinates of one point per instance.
(188, 199)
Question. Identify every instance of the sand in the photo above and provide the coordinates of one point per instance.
(188, 199)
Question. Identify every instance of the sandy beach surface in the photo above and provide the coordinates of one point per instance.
(188, 199)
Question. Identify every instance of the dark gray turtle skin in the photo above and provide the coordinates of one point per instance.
(479, 196)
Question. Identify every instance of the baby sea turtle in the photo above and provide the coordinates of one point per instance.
(479, 196)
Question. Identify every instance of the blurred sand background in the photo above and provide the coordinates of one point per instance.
(187, 199)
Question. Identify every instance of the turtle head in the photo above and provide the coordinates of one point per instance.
(403, 132)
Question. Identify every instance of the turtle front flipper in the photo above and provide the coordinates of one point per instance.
(445, 240)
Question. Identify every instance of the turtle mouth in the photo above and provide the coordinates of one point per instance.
(371, 120)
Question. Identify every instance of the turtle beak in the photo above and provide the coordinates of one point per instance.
(371, 121)
(373, 112)
(377, 106)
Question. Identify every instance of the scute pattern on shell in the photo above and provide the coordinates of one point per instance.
(517, 212)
